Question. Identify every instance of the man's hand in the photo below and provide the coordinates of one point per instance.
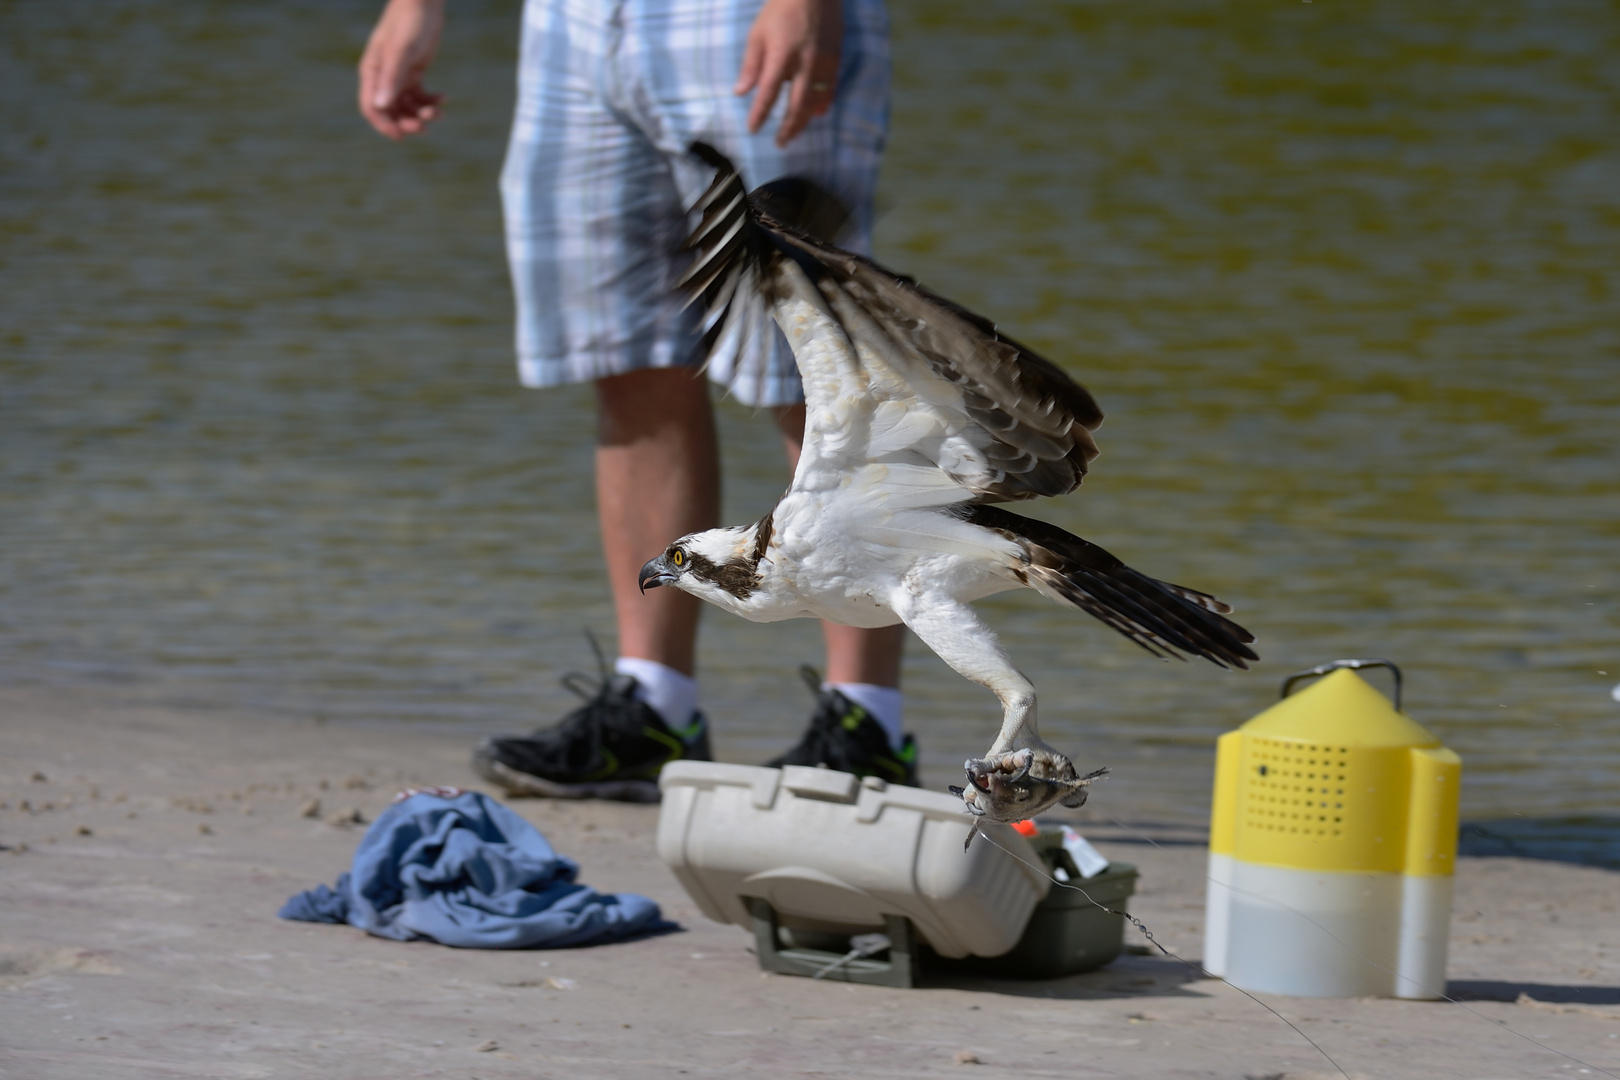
(392, 98)
(797, 42)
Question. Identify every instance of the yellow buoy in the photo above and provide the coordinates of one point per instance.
(1332, 846)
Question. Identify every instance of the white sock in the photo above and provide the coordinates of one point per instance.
(671, 695)
(885, 704)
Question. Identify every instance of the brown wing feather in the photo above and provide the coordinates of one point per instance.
(1039, 419)
(1036, 421)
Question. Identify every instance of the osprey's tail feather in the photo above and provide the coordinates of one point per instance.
(1167, 620)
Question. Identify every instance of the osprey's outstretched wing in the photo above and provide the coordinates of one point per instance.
(932, 383)
(916, 403)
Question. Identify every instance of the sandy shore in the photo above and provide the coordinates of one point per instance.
(138, 938)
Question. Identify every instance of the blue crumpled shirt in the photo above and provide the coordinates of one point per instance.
(468, 872)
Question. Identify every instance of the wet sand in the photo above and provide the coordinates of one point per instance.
(138, 938)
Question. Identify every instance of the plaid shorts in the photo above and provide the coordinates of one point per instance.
(597, 179)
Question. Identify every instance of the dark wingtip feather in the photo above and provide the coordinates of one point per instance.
(1166, 620)
(802, 204)
(711, 157)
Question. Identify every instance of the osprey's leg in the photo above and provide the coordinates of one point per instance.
(1020, 776)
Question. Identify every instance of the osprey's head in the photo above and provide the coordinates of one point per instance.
(720, 565)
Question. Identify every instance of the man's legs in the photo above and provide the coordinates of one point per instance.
(657, 479)
(868, 657)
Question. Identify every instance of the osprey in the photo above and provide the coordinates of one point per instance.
(919, 418)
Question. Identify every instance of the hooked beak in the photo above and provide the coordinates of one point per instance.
(657, 572)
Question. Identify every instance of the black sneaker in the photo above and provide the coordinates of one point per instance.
(612, 747)
(845, 737)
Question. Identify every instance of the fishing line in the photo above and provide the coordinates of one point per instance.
(1498, 1025)
(1138, 832)
(1140, 925)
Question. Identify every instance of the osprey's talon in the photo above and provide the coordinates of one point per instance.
(1028, 759)
(1017, 785)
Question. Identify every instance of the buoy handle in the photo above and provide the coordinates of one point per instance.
(1334, 665)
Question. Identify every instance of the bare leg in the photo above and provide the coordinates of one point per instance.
(854, 655)
(657, 478)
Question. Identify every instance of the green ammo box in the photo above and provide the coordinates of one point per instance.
(1067, 933)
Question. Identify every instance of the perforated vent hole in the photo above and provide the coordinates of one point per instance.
(1295, 788)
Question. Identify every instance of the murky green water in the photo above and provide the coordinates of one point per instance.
(1343, 277)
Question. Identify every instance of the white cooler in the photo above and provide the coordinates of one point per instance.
(833, 853)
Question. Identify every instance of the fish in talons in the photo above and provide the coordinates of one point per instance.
(1001, 787)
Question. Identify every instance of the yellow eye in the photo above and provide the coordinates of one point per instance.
(679, 558)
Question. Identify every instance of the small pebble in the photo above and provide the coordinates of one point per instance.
(84, 830)
(486, 1046)
(312, 808)
(967, 1057)
(203, 828)
(38, 778)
